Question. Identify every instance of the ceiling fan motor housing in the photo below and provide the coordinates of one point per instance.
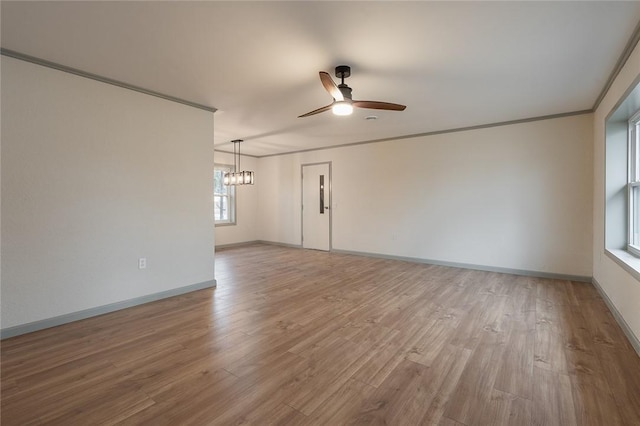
(346, 91)
(343, 71)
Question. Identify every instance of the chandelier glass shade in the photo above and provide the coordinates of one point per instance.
(235, 177)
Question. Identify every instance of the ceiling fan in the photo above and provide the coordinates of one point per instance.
(342, 103)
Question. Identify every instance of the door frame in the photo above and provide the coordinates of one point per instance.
(302, 166)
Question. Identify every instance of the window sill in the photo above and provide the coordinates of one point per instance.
(629, 262)
(225, 224)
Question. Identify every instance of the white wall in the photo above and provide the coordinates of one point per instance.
(94, 177)
(620, 286)
(280, 197)
(247, 213)
(516, 196)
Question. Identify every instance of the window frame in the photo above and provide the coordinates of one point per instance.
(231, 195)
(633, 185)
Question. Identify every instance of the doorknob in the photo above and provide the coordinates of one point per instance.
(326, 208)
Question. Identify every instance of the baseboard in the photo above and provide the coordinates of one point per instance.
(274, 243)
(524, 272)
(17, 330)
(232, 245)
(633, 339)
(249, 243)
(539, 274)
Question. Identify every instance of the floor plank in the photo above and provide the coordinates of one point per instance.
(302, 337)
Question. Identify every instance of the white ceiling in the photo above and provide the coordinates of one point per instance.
(454, 64)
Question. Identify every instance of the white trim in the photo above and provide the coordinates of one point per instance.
(234, 245)
(100, 310)
(525, 272)
(253, 242)
(432, 133)
(96, 77)
(231, 194)
(275, 243)
(622, 60)
(626, 260)
(632, 182)
(633, 339)
(529, 273)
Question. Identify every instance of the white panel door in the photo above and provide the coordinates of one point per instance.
(316, 206)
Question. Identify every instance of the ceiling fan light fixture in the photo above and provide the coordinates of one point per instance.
(343, 103)
(342, 108)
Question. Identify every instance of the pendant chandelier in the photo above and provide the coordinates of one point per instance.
(238, 178)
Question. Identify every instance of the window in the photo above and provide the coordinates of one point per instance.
(622, 182)
(633, 185)
(224, 199)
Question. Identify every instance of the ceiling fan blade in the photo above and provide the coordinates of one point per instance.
(317, 111)
(330, 86)
(379, 105)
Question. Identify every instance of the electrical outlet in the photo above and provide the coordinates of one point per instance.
(142, 263)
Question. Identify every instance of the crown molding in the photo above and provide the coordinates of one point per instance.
(102, 79)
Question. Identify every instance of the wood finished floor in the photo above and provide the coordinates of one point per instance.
(303, 337)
